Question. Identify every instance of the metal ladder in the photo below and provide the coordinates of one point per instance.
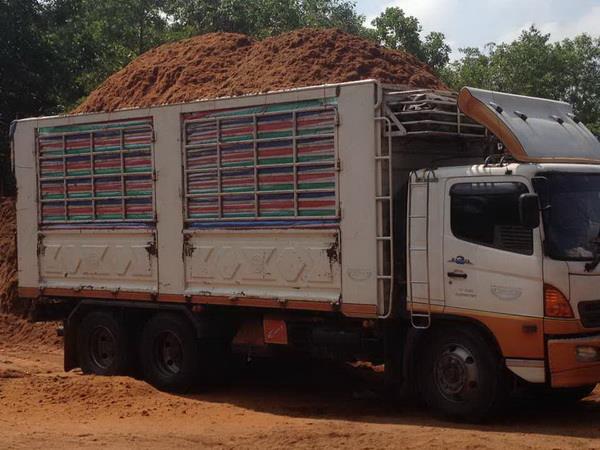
(384, 212)
(419, 320)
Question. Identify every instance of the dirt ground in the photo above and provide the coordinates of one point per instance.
(266, 404)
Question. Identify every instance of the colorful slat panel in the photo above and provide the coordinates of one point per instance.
(255, 166)
(97, 173)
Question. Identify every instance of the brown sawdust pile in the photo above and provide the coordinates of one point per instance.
(18, 333)
(8, 254)
(228, 64)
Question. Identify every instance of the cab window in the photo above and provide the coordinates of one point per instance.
(488, 214)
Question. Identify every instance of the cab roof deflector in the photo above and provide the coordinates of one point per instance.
(532, 129)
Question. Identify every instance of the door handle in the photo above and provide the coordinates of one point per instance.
(457, 274)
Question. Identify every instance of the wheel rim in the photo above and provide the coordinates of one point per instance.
(456, 374)
(103, 347)
(168, 353)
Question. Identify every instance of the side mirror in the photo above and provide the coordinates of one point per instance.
(529, 210)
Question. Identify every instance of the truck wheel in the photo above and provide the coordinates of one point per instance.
(461, 376)
(101, 345)
(169, 351)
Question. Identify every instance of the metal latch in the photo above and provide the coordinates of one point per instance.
(188, 247)
(152, 247)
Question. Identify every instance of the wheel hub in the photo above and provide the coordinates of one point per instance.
(103, 345)
(168, 352)
(455, 373)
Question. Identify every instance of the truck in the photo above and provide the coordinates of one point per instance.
(453, 237)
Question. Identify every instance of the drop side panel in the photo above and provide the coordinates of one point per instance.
(280, 264)
(99, 260)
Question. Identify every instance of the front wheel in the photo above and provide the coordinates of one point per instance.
(461, 375)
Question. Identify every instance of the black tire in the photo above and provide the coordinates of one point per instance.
(101, 344)
(170, 352)
(461, 376)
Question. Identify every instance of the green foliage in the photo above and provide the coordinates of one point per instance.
(533, 65)
(262, 18)
(27, 86)
(394, 29)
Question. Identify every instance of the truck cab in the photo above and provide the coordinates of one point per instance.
(513, 246)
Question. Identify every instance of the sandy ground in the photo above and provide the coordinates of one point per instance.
(266, 404)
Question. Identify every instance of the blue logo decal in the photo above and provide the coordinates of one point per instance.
(460, 260)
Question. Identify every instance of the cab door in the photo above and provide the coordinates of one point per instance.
(491, 262)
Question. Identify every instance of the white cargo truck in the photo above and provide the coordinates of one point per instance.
(454, 237)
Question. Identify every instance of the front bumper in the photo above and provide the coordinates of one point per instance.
(569, 370)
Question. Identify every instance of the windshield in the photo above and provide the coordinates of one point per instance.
(571, 213)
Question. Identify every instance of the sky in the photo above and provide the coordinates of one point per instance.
(474, 23)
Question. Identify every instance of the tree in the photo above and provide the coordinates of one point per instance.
(533, 65)
(262, 18)
(394, 29)
(94, 39)
(27, 86)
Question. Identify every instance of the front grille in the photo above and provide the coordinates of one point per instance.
(589, 312)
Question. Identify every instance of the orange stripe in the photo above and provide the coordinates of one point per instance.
(513, 333)
(566, 326)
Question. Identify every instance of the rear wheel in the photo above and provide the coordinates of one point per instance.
(169, 352)
(461, 376)
(101, 345)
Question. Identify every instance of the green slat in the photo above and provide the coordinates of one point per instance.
(80, 217)
(244, 137)
(276, 187)
(275, 160)
(137, 169)
(238, 189)
(80, 195)
(275, 134)
(138, 193)
(235, 215)
(316, 212)
(323, 130)
(316, 186)
(315, 158)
